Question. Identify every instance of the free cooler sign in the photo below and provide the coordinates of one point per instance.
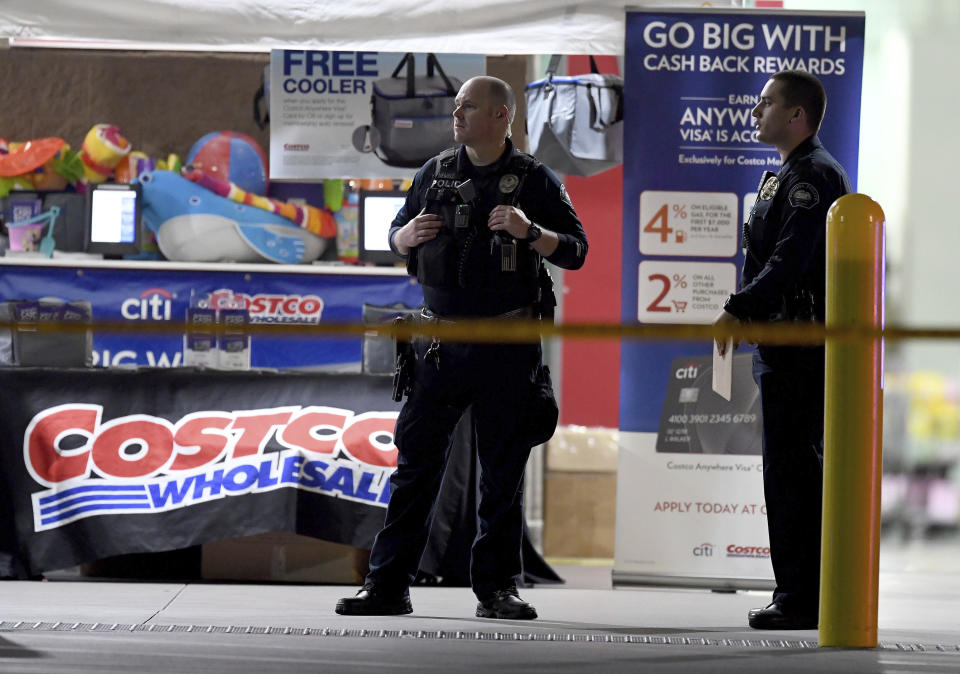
(692, 164)
(321, 110)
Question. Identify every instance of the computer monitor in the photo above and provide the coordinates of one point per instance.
(377, 209)
(113, 219)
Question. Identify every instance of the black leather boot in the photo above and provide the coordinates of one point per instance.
(776, 616)
(506, 604)
(371, 600)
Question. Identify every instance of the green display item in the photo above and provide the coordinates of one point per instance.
(333, 190)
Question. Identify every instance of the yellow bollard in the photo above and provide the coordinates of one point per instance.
(849, 565)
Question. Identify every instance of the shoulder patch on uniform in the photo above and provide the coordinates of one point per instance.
(564, 196)
(803, 195)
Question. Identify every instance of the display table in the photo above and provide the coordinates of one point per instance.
(103, 462)
(140, 293)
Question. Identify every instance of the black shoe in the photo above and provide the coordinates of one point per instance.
(776, 617)
(373, 601)
(506, 604)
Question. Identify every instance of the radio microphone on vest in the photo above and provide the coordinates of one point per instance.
(467, 191)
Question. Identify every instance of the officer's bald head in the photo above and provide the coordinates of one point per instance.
(499, 94)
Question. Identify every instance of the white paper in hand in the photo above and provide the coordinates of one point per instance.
(723, 370)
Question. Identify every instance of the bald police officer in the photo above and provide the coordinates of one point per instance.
(476, 225)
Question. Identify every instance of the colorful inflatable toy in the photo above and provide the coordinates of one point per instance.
(317, 220)
(102, 150)
(39, 164)
(231, 156)
(192, 224)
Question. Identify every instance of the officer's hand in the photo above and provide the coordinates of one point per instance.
(422, 228)
(725, 320)
(509, 219)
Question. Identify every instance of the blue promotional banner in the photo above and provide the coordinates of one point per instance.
(692, 162)
(690, 507)
(141, 293)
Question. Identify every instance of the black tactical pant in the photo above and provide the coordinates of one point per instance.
(497, 381)
(791, 382)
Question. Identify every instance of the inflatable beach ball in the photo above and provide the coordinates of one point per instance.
(232, 156)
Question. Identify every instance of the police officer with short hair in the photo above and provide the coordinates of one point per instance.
(784, 280)
(475, 227)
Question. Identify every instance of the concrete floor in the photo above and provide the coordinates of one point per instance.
(584, 626)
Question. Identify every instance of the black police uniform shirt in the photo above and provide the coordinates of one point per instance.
(543, 199)
(785, 239)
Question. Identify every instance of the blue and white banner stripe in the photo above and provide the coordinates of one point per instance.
(90, 499)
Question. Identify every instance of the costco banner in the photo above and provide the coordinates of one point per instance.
(690, 503)
(162, 292)
(108, 462)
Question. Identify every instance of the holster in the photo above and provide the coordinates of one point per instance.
(406, 363)
(546, 298)
(540, 420)
(799, 305)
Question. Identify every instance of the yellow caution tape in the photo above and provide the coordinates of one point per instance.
(498, 331)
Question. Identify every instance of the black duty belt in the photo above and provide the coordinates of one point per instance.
(514, 314)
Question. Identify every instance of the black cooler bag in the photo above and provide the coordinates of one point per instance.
(413, 115)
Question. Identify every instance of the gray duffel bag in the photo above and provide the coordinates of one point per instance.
(575, 123)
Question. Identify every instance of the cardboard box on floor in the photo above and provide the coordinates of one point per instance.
(284, 557)
(580, 492)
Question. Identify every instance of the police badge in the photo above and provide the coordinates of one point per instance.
(769, 188)
(508, 183)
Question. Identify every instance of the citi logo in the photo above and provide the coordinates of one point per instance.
(688, 372)
(703, 550)
(153, 305)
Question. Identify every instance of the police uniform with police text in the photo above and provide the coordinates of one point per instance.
(783, 279)
(467, 271)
